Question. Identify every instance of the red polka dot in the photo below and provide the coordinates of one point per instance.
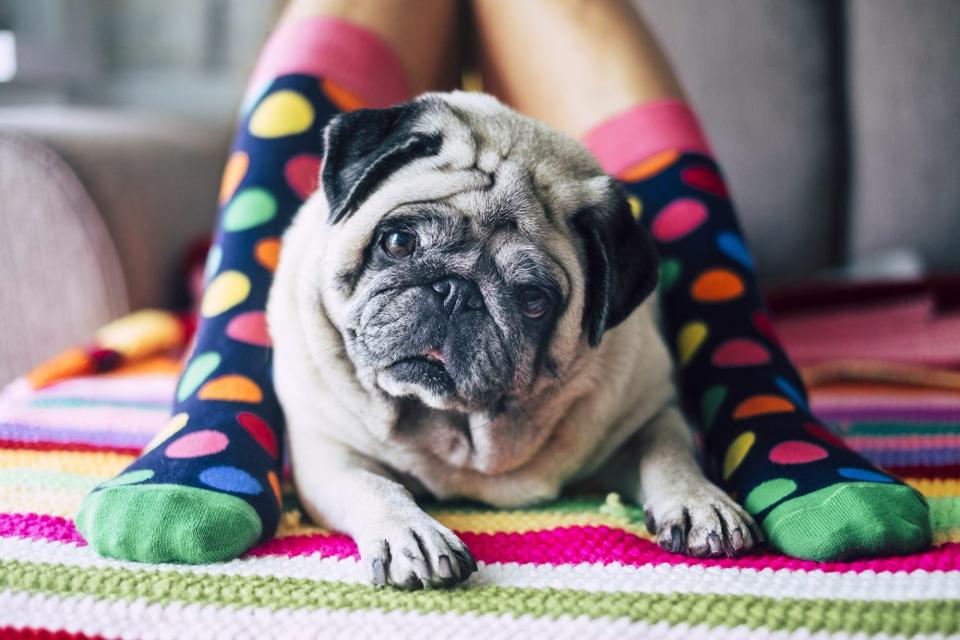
(250, 327)
(796, 452)
(303, 174)
(763, 324)
(679, 218)
(705, 179)
(740, 352)
(824, 435)
(260, 431)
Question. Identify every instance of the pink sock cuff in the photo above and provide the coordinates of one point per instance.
(353, 58)
(634, 135)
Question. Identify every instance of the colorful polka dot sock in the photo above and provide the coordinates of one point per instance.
(813, 497)
(207, 487)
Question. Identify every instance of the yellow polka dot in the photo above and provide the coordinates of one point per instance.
(283, 113)
(176, 423)
(636, 207)
(231, 388)
(691, 337)
(224, 292)
(737, 452)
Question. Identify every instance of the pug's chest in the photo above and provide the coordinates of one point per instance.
(497, 462)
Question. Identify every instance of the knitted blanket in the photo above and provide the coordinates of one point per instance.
(583, 567)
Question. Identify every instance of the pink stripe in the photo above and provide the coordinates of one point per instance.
(562, 546)
(604, 545)
(644, 130)
(39, 527)
(902, 442)
(354, 58)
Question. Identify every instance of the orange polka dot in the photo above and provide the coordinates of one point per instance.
(232, 175)
(275, 485)
(345, 100)
(650, 167)
(716, 285)
(267, 253)
(231, 388)
(762, 405)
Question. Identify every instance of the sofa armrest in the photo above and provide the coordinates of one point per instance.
(153, 179)
(61, 275)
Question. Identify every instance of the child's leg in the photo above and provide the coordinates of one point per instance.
(207, 488)
(813, 497)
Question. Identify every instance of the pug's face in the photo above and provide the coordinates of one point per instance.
(472, 253)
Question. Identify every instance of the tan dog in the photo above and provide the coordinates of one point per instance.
(463, 311)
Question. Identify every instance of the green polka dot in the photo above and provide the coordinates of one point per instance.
(768, 493)
(249, 208)
(710, 404)
(196, 372)
(669, 273)
(131, 477)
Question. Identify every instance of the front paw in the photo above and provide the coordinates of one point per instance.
(415, 552)
(702, 521)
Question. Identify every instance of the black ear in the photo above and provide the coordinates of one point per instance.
(621, 266)
(363, 147)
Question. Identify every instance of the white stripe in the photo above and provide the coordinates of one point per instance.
(782, 583)
(139, 620)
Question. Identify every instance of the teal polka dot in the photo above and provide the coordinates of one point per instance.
(131, 477)
(249, 208)
(196, 372)
(768, 493)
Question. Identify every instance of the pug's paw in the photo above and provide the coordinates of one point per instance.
(415, 552)
(701, 521)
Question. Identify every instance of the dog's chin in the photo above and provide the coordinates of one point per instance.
(423, 378)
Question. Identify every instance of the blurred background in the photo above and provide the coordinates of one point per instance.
(834, 120)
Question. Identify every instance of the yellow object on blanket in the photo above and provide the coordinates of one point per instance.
(133, 337)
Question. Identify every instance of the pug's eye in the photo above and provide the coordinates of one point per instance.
(399, 244)
(534, 303)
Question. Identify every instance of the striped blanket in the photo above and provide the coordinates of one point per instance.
(583, 567)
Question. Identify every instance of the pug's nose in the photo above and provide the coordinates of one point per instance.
(458, 293)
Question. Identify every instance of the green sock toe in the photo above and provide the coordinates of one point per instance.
(167, 523)
(851, 519)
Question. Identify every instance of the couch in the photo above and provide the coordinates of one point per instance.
(835, 121)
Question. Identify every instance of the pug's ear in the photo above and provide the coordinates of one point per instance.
(363, 147)
(622, 265)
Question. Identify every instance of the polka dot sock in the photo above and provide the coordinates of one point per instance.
(813, 497)
(207, 487)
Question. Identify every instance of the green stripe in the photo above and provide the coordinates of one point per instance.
(890, 617)
(70, 403)
(44, 479)
(900, 428)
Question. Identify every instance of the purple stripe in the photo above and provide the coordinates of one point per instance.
(100, 437)
(912, 457)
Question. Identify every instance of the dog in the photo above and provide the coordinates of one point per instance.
(463, 310)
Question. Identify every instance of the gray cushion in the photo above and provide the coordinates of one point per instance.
(761, 74)
(904, 97)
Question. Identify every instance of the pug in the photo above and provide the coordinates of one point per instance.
(463, 310)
